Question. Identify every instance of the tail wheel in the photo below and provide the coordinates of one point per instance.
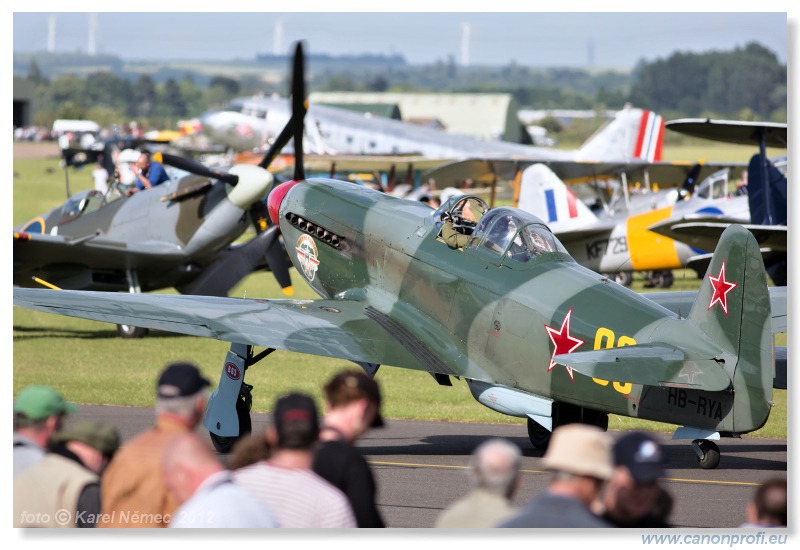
(707, 453)
(128, 331)
(539, 435)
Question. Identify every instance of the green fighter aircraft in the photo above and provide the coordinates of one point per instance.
(534, 334)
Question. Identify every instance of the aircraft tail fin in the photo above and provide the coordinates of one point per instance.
(632, 134)
(543, 194)
(733, 309)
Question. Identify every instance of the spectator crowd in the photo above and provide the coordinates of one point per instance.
(305, 470)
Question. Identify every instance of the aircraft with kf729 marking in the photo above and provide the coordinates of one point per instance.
(531, 332)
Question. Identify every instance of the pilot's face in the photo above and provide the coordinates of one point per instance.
(467, 212)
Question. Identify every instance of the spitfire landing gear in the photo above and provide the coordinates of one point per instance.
(660, 279)
(707, 453)
(224, 444)
(127, 331)
(539, 435)
(564, 413)
(624, 278)
(227, 415)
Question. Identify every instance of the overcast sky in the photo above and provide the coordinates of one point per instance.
(538, 39)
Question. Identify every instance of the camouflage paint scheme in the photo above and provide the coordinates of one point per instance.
(394, 294)
(152, 240)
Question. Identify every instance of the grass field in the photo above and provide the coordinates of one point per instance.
(90, 364)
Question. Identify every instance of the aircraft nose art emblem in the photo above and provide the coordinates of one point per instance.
(720, 287)
(307, 256)
(563, 342)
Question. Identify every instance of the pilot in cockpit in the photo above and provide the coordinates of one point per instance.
(457, 229)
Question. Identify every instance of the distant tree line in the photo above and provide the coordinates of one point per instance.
(746, 83)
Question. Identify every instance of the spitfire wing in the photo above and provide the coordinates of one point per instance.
(35, 252)
(649, 365)
(331, 328)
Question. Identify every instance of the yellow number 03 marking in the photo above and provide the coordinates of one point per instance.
(605, 338)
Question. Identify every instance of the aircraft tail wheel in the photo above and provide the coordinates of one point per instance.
(707, 453)
(127, 331)
(539, 435)
(224, 444)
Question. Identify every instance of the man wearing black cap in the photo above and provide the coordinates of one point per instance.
(134, 493)
(353, 406)
(631, 495)
(285, 482)
(63, 489)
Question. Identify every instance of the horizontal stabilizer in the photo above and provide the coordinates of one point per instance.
(648, 365)
(680, 302)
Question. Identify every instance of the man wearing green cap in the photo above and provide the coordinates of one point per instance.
(39, 413)
(63, 489)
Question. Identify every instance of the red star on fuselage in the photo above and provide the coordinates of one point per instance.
(721, 288)
(563, 342)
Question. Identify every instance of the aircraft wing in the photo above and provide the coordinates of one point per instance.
(681, 302)
(603, 227)
(704, 233)
(732, 131)
(664, 173)
(649, 365)
(343, 329)
(34, 252)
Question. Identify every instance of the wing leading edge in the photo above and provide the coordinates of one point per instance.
(330, 328)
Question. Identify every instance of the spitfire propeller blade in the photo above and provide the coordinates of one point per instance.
(295, 124)
(198, 169)
(298, 111)
(237, 262)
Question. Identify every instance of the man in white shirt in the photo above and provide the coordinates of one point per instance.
(285, 482)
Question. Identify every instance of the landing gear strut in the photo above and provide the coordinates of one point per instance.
(128, 331)
(564, 413)
(227, 415)
(224, 444)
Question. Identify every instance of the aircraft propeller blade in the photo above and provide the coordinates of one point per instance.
(235, 263)
(298, 110)
(199, 169)
(295, 124)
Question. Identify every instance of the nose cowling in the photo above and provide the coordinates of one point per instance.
(276, 197)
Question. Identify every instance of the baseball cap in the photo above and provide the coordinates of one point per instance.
(351, 385)
(180, 380)
(579, 449)
(296, 421)
(642, 455)
(98, 435)
(40, 402)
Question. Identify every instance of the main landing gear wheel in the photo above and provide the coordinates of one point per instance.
(707, 453)
(539, 435)
(224, 444)
(127, 331)
(624, 278)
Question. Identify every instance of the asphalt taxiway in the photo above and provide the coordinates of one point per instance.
(421, 467)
